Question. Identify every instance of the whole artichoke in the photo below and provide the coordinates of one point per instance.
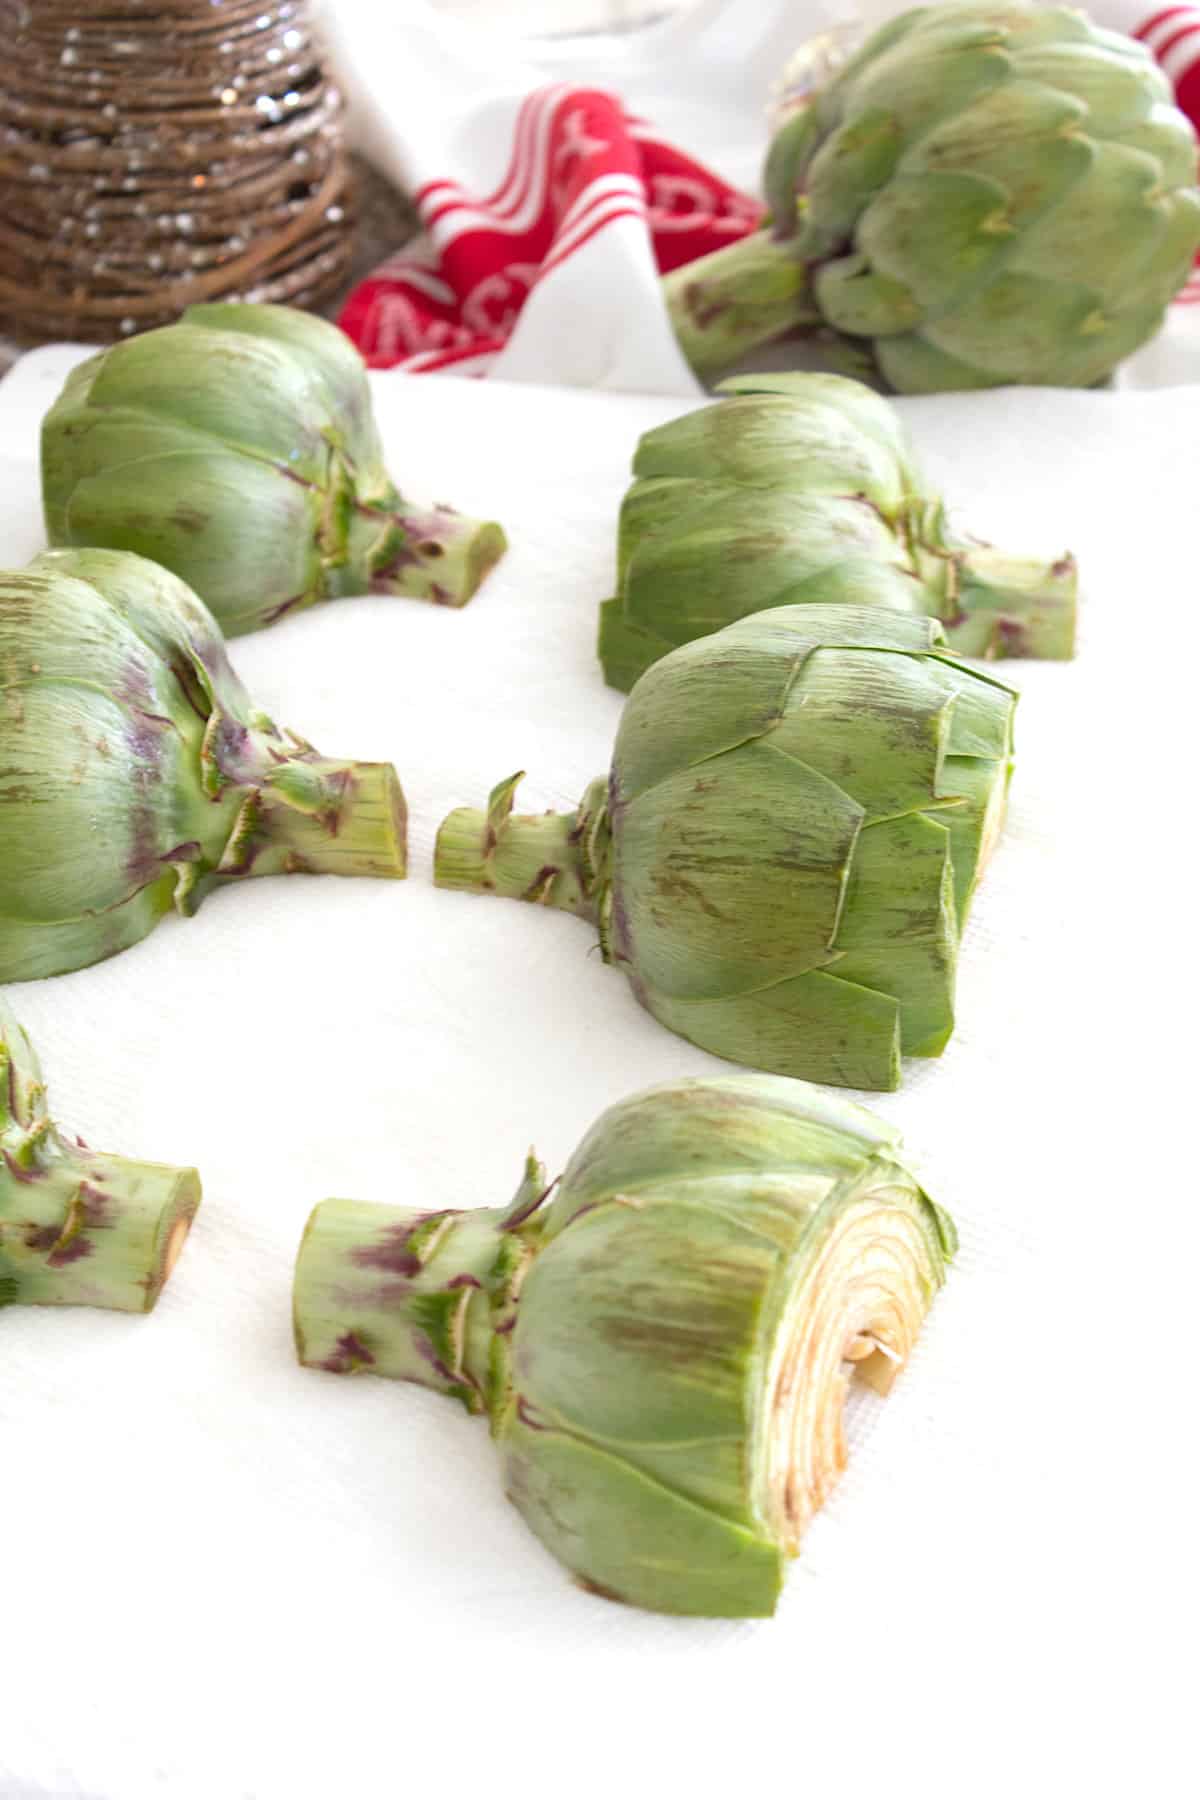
(78, 1228)
(135, 774)
(804, 487)
(989, 193)
(662, 1348)
(784, 853)
(238, 449)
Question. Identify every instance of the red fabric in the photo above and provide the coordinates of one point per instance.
(1172, 35)
(578, 161)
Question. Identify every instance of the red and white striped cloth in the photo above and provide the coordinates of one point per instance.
(1173, 36)
(550, 207)
(577, 163)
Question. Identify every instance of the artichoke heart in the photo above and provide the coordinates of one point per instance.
(238, 449)
(135, 773)
(786, 848)
(801, 488)
(78, 1228)
(983, 193)
(663, 1340)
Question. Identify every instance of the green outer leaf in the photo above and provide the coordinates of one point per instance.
(31, 950)
(725, 1125)
(763, 440)
(816, 1027)
(732, 874)
(715, 693)
(628, 1538)
(155, 605)
(652, 1356)
(91, 797)
(243, 391)
(329, 357)
(88, 441)
(899, 929)
(230, 499)
(747, 552)
(875, 721)
(625, 650)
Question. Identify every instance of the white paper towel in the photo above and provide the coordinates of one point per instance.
(223, 1576)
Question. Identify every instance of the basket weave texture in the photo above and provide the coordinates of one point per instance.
(154, 153)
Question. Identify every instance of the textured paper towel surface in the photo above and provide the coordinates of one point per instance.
(222, 1576)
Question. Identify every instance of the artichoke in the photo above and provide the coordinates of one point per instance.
(662, 1348)
(988, 194)
(238, 449)
(783, 855)
(799, 487)
(135, 774)
(78, 1228)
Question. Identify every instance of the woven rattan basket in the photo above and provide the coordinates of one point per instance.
(158, 152)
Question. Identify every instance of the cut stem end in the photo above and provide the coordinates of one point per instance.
(439, 555)
(1014, 606)
(94, 1230)
(523, 856)
(327, 817)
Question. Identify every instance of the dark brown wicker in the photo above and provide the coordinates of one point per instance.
(158, 152)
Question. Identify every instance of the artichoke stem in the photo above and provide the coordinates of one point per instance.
(728, 303)
(92, 1230)
(437, 554)
(327, 817)
(1012, 606)
(540, 857)
(412, 1296)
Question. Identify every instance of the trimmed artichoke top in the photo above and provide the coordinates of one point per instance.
(798, 488)
(78, 1228)
(785, 851)
(238, 449)
(135, 773)
(988, 193)
(663, 1341)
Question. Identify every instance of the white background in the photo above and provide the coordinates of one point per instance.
(222, 1576)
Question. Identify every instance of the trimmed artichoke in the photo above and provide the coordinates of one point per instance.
(78, 1228)
(988, 194)
(799, 487)
(662, 1348)
(784, 853)
(135, 774)
(238, 449)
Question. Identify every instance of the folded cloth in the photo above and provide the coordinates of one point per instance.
(550, 208)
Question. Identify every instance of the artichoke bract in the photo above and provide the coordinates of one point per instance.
(135, 773)
(238, 449)
(798, 488)
(784, 853)
(988, 194)
(78, 1228)
(663, 1343)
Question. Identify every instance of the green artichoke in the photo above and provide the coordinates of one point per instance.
(662, 1348)
(988, 194)
(238, 449)
(78, 1228)
(783, 855)
(804, 487)
(135, 774)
